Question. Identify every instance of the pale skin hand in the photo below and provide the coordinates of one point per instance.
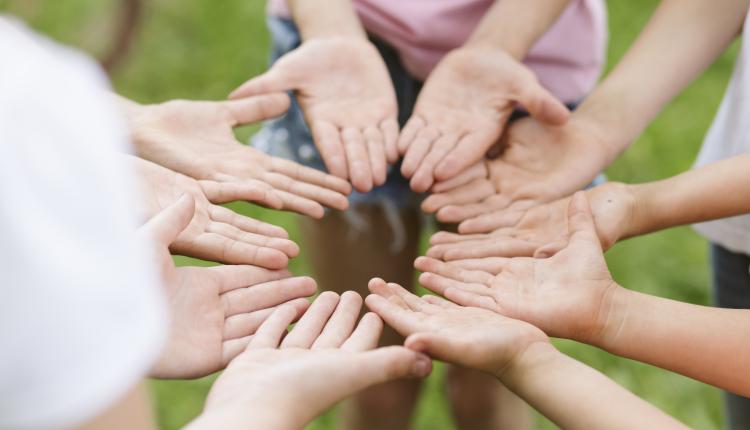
(214, 233)
(214, 311)
(539, 164)
(283, 381)
(567, 295)
(196, 138)
(462, 109)
(612, 206)
(346, 95)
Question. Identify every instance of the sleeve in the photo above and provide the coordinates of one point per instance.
(82, 317)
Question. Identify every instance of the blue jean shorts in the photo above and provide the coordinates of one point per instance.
(289, 137)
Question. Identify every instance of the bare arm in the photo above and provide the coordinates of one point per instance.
(326, 18)
(133, 411)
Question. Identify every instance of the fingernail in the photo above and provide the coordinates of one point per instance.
(422, 366)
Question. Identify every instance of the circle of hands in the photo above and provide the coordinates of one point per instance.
(527, 260)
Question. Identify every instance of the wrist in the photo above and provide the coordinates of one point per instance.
(612, 319)
(249, 416)
(535, 356)
(604, 117)
(614, 206)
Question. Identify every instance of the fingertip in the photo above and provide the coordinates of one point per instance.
(272, 258)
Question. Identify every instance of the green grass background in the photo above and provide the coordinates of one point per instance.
(201, 49)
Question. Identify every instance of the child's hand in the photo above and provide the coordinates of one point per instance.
(214, 232)
(467, 336)
(540, 164)
(612, 205)
(567, 295)
(213, 311)
(462, 109)
(195, 138)
(282, 381)
(344, 90)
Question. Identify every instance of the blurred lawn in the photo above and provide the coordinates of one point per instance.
(203, 49)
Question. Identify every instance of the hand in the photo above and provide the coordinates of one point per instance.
(567, 295)
(539, 164)
(466, 336)
(344, 90)
(462, 109)
(214, 311)
(214, 233)
(195, 138)
(612, 205)
(283, 382)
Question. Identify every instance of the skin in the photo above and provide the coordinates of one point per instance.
(620, 211)
(214, 233)
(572, 295)
(517, 354)
(214, 311)
(346, 95)
(283, 381)
(196, 138)
(543, 163)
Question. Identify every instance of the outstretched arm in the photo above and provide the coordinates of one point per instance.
(519, 355)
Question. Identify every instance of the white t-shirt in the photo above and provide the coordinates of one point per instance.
(82, 315)
(729, 136)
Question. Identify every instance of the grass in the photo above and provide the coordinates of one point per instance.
(202, 49)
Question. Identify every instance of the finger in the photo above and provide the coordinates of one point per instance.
(491, 220)
(476, 171)
(439, 301)
(391, 363)
(424, 175)
(300, 205)
(495, 247)
(238, 276)
(440, 284)
(435, 345)
(311, 192)
(310, 175)
(380, 287)
(272, 330)
(468, 298)
(417, 150)
(312, 322)
(389, 129)
(228, 216)
(266, 295)
(415, 303)
(342, 322)
(328, 141)
(426, 264)
(250, 190)
(233, 347)
(446, 237)
(402, 320)
(456, 213)
(469, 150)
(366, 335)
(229, 231)
(492, 265)
(542, 105)
(475, 191)
(550, 249)
(275, 80)
(376, 151)
(409, 133)
(164, 227)
(358, 162)
(250, 110)
(214, 247)
(246, 324)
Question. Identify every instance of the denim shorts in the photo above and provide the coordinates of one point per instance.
(289, 137)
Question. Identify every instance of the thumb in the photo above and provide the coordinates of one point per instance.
(581, 227)
(165, 226)
(273, 81)
(550, 249)
(393, 362)
(248, 110)
(434, 345)
(542, 105)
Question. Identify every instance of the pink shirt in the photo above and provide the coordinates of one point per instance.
(567, 59)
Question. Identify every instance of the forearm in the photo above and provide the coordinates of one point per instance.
(704, 343)
(575, 396)
(717, 190)
(515, 25)
(326, 18)
(682, 39)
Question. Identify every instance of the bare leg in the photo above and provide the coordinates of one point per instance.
(345, 259)
(479, 401)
